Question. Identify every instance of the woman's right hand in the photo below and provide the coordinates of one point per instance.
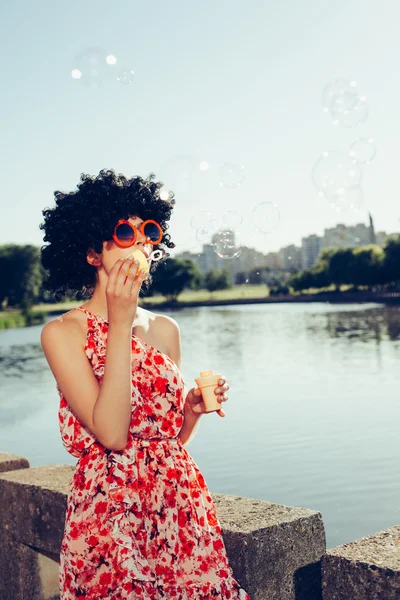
(122, 292)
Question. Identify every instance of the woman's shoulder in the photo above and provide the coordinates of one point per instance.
(72, 323)
(156, 322)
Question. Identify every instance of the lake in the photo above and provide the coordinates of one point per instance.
(312, 418)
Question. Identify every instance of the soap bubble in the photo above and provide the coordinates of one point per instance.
(204, 233)
(231, 175)
(347, 107)
(350, 198)
(342, 103)
(337, 88)
(334, 171)
(232, 219)
(200, 219)
(125, 76)
(362, 151)
(91, 67)
(266, 217)
(226, 244)
(345, 117)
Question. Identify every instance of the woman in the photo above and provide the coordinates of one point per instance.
(140, 521)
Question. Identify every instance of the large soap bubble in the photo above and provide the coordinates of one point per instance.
(266, 217)
(334, 171)
(226, 244)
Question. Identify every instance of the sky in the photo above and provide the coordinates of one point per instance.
(221, 82)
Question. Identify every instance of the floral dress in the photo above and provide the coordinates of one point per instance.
(140, 523)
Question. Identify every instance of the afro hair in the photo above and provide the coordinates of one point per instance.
(86, 218)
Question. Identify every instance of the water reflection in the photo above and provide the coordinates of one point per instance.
(19, 360)
(374, 324)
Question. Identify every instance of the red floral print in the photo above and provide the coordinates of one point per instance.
(140, 523)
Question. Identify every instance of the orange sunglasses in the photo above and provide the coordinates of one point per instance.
(125, 234)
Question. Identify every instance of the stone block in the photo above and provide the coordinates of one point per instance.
(274, 550)
(366, 569)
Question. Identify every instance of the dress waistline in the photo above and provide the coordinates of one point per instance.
(147, 441)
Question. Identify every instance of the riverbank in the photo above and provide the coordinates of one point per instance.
(235, 296)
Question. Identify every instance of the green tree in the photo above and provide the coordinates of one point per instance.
(391, 262)
(340, 267)
(366, 267)
(21, 274)
(173, 276)
(240, 278)
(217, 280)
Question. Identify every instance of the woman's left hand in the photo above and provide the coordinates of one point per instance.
(194, 401)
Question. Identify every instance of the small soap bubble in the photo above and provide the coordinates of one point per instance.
(335, 171)
(347, 199)
(362, 151)
(350, 117)
(342, 103)
(91, 64)
(335, 88)
(125, 76)
(226, 244)
(266, 217)
(232, 219)
(204, 233)
(231, 175)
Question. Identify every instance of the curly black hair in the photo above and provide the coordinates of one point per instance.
(87, 217)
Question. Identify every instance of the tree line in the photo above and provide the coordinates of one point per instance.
(22, 276)
(371, 266)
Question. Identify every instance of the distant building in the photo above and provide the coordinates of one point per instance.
(291, 257)
(372, 237)
(208, 259)
(344, 236)
(310, 249)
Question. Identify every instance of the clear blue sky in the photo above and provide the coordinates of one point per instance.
(221, 81)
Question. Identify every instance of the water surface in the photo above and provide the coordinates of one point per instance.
(312, 418)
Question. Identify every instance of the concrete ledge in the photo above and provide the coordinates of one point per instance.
(10, 462)
(33, 504)
(277, 552)
(278, 548)
(270, 546)
(366, 569)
